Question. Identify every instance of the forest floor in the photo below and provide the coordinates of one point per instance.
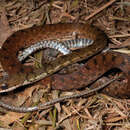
(97, 112)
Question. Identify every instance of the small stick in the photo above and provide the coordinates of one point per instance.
(120, 35)
(100, 9)
(53, 102)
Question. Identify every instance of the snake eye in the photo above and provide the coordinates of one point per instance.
(4, 86)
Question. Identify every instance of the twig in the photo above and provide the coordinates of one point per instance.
(100, 9)
(124, 3)
(120, 35)
(52, 102)
(120, 18)
(27, 13)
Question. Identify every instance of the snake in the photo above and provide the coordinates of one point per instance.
(93, 69)
(85, 74)
(63, 47)
(21, 75)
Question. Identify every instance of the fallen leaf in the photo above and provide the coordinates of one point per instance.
(5, 30)
(11, 117)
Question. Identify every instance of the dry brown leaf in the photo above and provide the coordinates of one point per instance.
(126, 42)
(23, 96)
(5, 30)
(10, 117)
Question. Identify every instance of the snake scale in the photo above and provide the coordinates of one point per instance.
(63, 47)
(92, 70)
(20, 75)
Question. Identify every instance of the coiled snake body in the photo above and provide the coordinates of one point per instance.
(20, 75)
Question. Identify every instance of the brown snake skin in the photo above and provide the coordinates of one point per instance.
(93, 69)
(20, 75)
